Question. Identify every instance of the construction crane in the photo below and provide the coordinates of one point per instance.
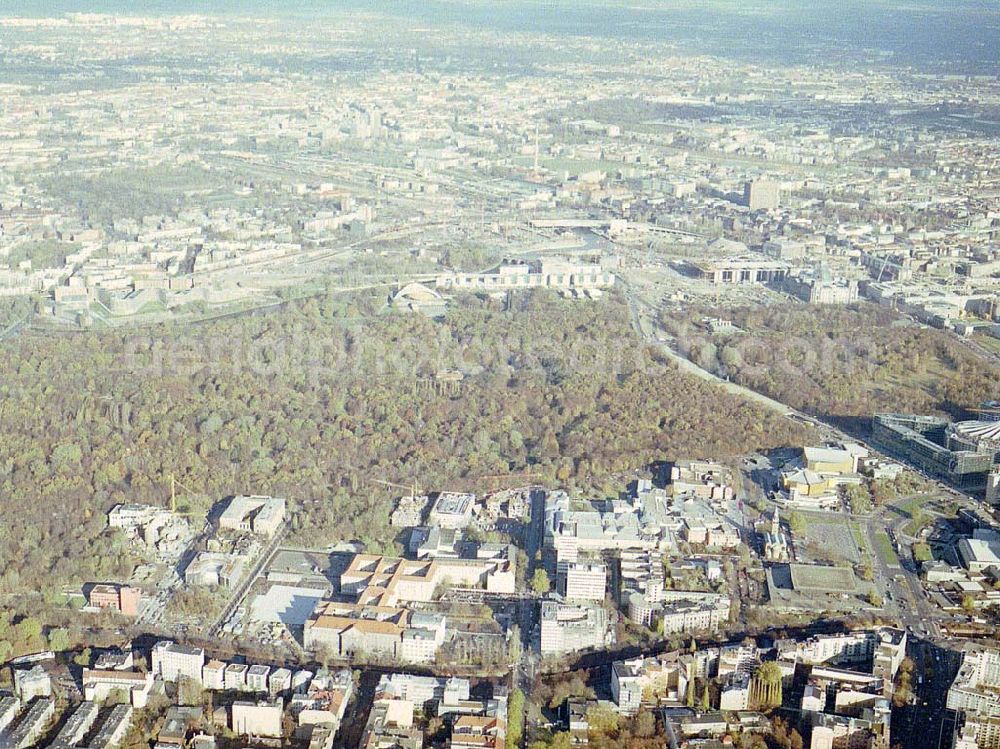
(498, 478)
(414, 489)
(173, 497)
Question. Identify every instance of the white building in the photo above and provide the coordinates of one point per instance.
(813, 699)
(98, 685)
(257, 678)
(257, 719)
(9, 708)
(171, 661)
(279, 681)
(235, 677)
(559, 274)
(77, 725)
(33, 682)
(976, 688)
(584, 582)
(254, 514)
(735, 694)
(32, 725)
(213, 675)
(567, 627)
(113, 729)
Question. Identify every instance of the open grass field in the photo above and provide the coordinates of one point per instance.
(829, 537)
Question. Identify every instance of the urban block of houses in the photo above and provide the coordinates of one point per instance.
(325, 702)
(679, 610)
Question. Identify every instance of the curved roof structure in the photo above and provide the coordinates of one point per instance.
(416, 292)
(978, 430)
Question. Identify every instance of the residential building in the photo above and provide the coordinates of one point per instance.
(980, 731)
(113, 729)
(32, 725)
(171, 661)
(98, 685)
(257, 678)
(279, 682)
(735, 694)
(213, 675)
(976, 687)
(79, 722)
(9, 708)
(33, 682)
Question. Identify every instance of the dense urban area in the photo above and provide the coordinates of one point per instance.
(461, 376)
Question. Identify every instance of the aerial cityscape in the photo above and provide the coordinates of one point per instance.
(474, 375)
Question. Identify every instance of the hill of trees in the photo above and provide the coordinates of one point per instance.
(839, 362)
(317, 400)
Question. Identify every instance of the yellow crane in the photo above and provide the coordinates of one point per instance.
(173, 497)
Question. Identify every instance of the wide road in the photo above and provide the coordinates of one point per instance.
(641, 313)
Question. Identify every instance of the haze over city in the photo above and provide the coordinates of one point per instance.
(464, 374)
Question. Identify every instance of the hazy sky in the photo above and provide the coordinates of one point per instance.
(956, 33)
